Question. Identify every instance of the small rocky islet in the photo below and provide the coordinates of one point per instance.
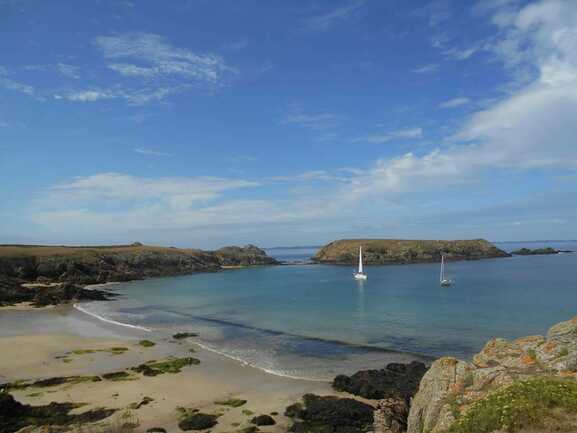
(398, 251)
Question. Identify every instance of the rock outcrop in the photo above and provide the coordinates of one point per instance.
(453, 388)
(248, 255)
(397, 381)
(74, 267)
(388, 251)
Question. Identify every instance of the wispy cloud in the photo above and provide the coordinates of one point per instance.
(455, 102)
(8, 83)
(313, 121)
(401, 134)
(427, 69)
(163, 59)
(328, 19)
(150, 152)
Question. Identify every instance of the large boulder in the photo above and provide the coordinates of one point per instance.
(399, 381)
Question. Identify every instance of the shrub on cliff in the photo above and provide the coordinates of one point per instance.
(524, 404)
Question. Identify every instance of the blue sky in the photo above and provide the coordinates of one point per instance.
(204, 123)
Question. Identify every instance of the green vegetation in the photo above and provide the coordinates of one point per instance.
(171, 365)
(247, 412)
(523, 404)
(147, 343)
(52, 381)
(232, 402)
(112, 350)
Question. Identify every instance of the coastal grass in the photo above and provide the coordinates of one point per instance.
(524, 404)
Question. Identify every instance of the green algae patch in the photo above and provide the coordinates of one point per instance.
(50, 382)
(111, 350)
(247, 412)
(523, 404)
(171, 365)
(231, 402)
(147, 343)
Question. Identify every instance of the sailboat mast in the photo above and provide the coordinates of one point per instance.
(442, 276)
(360, 260)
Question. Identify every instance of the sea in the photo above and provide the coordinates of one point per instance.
(313, 322)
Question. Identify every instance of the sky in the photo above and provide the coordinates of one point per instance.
(198, 123)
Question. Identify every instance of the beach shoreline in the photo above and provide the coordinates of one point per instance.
(61, 341)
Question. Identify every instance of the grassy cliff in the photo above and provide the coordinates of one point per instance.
(384, 251)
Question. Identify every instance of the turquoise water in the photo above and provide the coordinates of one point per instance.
(315, 321)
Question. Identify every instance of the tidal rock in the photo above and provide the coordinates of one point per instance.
(399, 381)
(15, 415)
(197, 421)
(331, 415)
(263, 420)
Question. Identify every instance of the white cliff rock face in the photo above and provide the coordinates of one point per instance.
(452, 383)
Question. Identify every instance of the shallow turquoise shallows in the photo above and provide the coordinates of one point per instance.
(315, 321)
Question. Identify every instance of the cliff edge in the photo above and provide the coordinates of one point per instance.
(512, 386)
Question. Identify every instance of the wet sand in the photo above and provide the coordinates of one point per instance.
(37, 344)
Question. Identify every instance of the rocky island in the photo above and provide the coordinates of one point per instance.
(538, 251)
(52, 274)
(389, 251)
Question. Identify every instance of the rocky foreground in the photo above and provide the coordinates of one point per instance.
(60, 272)
(389, 251)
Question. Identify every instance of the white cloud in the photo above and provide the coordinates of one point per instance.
(161, 59)
(328, 19)
(427, 69)
(69, 71)
(401, 134)
(151, 152)
(455, 102)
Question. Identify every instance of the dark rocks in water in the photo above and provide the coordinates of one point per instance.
(537, 251)
(387, 251)
(197, 421)
(183, 335)
(12, 291)
(330, 415)
(15, 415)
(263, 420)
(400, 381)
(391, 416)
(248, 255)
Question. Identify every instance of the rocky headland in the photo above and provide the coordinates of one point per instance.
(389, 251)
(525, 385)
(58, 273)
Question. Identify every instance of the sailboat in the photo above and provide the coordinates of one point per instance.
(360, 275)
(442, 279)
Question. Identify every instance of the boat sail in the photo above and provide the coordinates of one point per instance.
(360, 275)
(442, 279)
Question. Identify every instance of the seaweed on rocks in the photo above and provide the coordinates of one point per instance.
(396, 380)
(263, 420)
(197, 421)
(15, 415)
(171, 365)
(330, 415)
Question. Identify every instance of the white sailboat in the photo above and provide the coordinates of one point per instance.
(442, 279)
(360, 275)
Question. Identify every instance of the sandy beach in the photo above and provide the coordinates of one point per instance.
(61, 341)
